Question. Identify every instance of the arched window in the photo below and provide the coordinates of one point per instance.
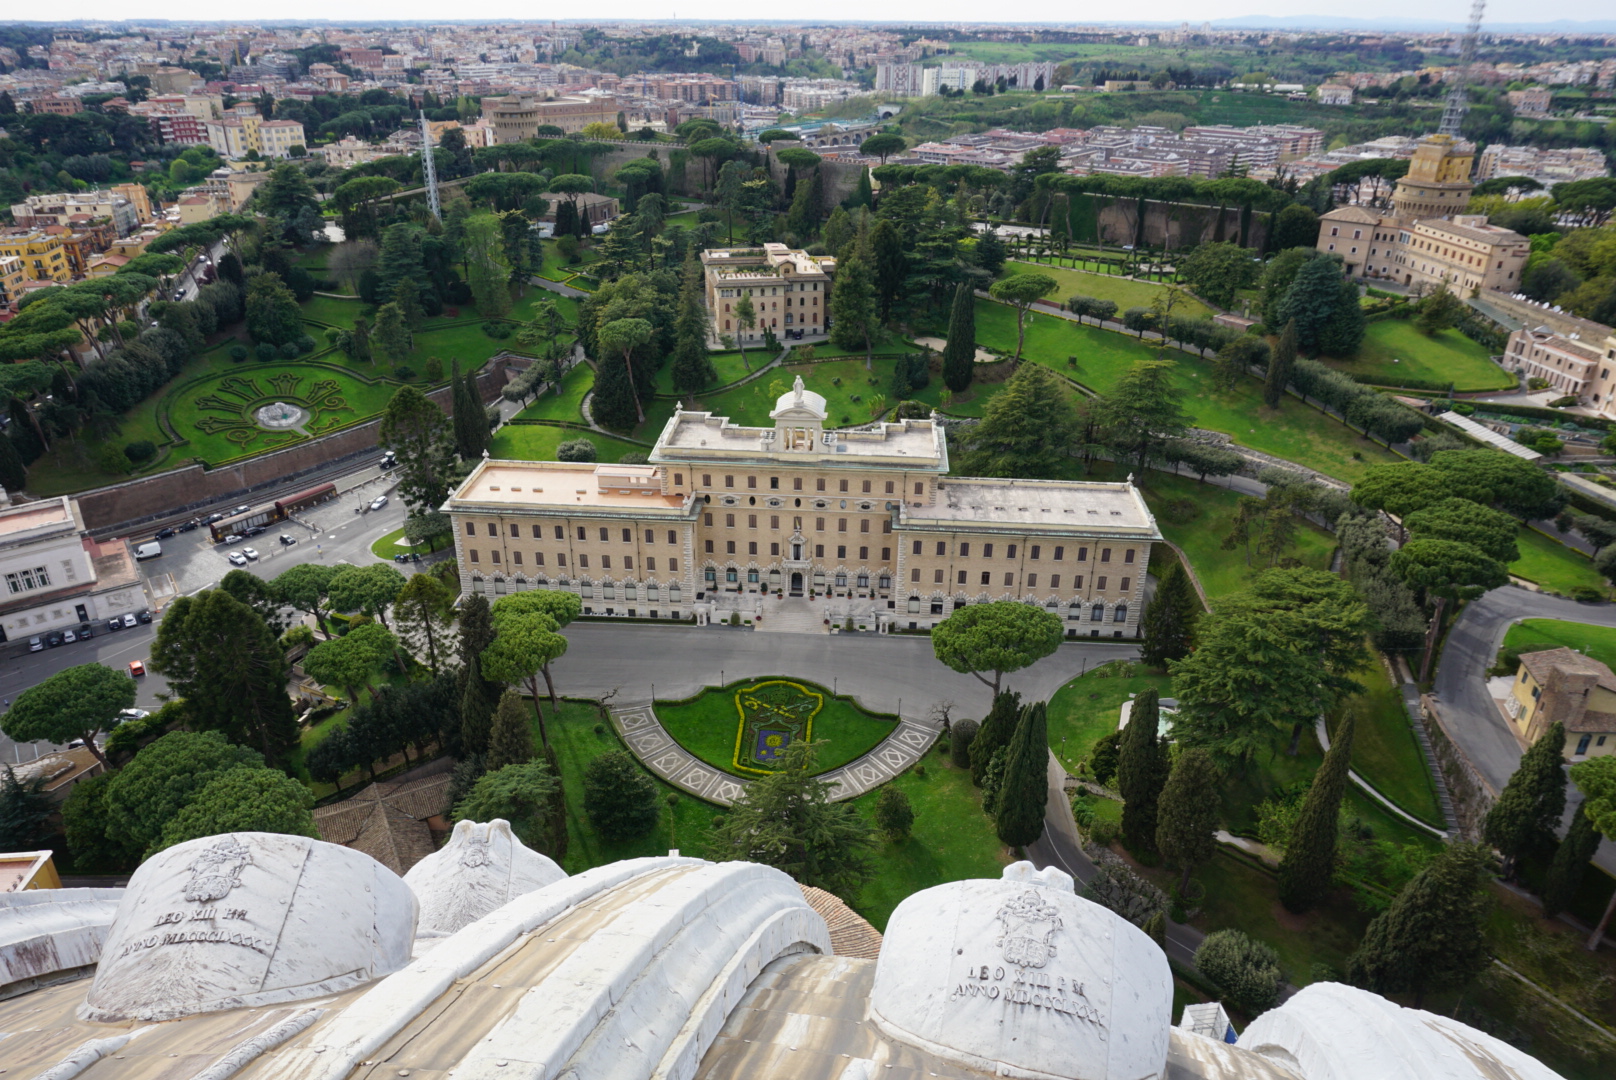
(711, 574)
(1097, 613)
(841, 579)
(863, 580)
(884, 581)
(1120, 614)
(731, 575)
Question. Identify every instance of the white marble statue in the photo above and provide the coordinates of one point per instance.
(482, 867)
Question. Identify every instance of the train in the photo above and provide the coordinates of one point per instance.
(262, 517)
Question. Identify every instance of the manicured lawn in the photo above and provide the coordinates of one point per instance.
(465, 342)
(883, 341)
(1532, 635)
(1125, 293)
(522, 310)
(324, 309)
(389, 545)
(709, 726)
(538, 442)
(565, 405)
(1395, 349)
(1294, 431)
(1086, 709)
(1384, 750)
(1554, 567)
(729, 365)
(1197, 517)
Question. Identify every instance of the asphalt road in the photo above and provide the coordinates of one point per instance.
(191, 562)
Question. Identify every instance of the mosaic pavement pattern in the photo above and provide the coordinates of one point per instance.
(650, 742)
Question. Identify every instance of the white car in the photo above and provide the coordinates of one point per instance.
(237, 558)
(251, 553)
(68, 637)
(126, 715)
(379, 502)
(129, 620)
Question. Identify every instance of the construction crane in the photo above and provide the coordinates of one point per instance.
(1458, 103)
(429, 168)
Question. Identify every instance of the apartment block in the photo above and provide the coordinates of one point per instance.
(43, 256)
(66, 207)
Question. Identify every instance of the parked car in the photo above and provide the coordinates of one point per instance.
(241, 509)
(189, 525)
(233, 538)
(237, 558)
(251, 553)
(115, 624)
(288, 540)
(85, 631)
(129, 620)
(35, 644)
(53, 639)
(378, 502)
(144, 615)
(69, 637)
(255, 530)
(137, 668)
(164, 534)
(133, 714)
(179, 294)
(211, 518)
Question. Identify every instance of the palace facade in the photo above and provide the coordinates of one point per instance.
(795, 509)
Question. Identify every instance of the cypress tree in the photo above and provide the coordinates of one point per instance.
(1570, 861)
(1432, 935)
(1187, 819)
(1168, 626)
(959, 743)
(959, 354)
(476, 710)
(692, 367)
(1308, 868)
(510, 737)
(1280, 363)
(470, 421)
(1025, 791)
(1156, 928)
(13, 474)
(996, 731)
(1531, 804)
(1141, 773)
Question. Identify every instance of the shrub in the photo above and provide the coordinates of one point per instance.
(1247, 971)
(577, 450)
(238, 353)
(893, 814)
(959, 749)
(266, 352)
(140, 451)
(289, 351)
(1586, 594)
(305, 344)
(1103, 758)
(1564, 402)
(620, 799)
(405, 372)
(433, 369)
(499, 331)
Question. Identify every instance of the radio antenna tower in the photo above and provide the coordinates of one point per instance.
(429, 168)
(1453, 113)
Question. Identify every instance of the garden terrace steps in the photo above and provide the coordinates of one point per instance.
(794, 615)
(657, 750)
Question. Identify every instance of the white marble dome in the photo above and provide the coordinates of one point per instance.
(1021, 977)
(249, 919)
(482, 867)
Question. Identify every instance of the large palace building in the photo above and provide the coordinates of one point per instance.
(867, 514)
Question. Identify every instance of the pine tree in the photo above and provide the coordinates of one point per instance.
(1530, 806)
(1308, 869)
(24, 809)
(1187, 818)
(1432, 936)
(1168, 626)
(510, 737)
(959, 354)
(1310, 302)
(1344, 330)
(893, 814)
(1026, 430)
(1570, 862)
(613, 403)
(1141, 773)
(997, 729)
(1025, 790)
(1280, 363)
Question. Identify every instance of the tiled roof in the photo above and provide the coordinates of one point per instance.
(388, 821)
(850, 934)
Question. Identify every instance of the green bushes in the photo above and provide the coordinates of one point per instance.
(1248, 971)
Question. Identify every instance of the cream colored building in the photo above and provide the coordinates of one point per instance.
(1564, 686)
(239, 135)
(54, 576)
(518, 117)
(1574, 356)
(790, 290)
(798, 510)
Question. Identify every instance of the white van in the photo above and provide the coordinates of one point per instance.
(148, 550)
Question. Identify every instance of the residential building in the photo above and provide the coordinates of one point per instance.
(1533, 101)
(246, 132)
(1466, 253)
(1548, 167)
(44, 257)
(1574, 356)
(872, 514)
(1564, 686)
(200, 206)
(64, 207)
(789, 289)
(55, 577)
(1335, 94)
(13, 273)
(56, 105)
(280, 138)
(139, 198)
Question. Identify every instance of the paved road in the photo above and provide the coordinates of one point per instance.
(194, 563)
(1461, 690)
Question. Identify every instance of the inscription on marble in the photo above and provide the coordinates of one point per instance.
(1028, 926)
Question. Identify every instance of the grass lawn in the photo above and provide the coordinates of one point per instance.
(1197, 517)
(465, 342)
(538, 442)
(952, 838)
(325, 309)
(387, 546)
(709, 726)
(1086, 709)
(1443, 358)
(1384, 750)
(1125, 293)
(565, 404)
(1553, 567)
(884, 341)
(522, 310)
(1294, 431)
(1531, 635)
(730, 366)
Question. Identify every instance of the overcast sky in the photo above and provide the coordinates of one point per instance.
(1501, 11)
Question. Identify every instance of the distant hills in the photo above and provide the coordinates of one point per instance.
(1332, 22)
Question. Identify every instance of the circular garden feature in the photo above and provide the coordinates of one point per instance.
(745, 728)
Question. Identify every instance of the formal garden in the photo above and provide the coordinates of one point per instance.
(744, 728)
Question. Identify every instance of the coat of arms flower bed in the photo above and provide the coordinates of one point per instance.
(774, 714)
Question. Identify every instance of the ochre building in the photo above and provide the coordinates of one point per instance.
(795, 509)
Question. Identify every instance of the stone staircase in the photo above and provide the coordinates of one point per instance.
(791, 615)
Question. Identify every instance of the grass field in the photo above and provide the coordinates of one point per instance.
(1198, 516)
(1125, 293)
(565, 404)
(324, 309)
(729, 365)
(390, 544)
(1395, 349)
(1553, 567)
(214, 415)
(708, 727)
(1294, 431)
(538, 442)
(1531, 635)
(1384, 750)
(1086, 709)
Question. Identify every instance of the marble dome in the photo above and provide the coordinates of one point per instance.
(482, 867)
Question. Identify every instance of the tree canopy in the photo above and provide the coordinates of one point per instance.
(997, 638)
(76, 703)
